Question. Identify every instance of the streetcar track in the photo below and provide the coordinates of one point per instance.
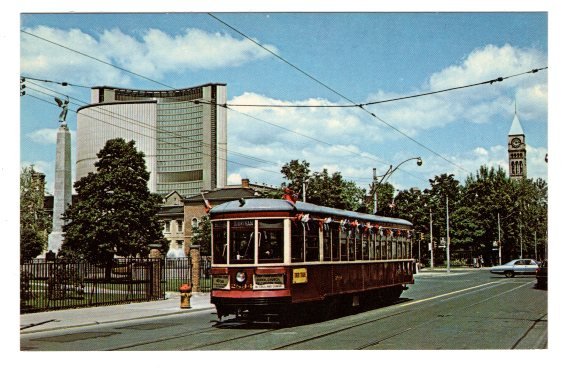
(338, 330)
(162, 339)
(200, 331)
(534, 322)
(478, 287)
(459, 293)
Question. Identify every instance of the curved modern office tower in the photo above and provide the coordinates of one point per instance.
(182, 132)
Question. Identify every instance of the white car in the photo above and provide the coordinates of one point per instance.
(516, 267)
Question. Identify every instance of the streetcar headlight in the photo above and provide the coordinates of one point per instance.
(241, 277)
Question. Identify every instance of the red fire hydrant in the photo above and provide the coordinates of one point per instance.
(185, 293)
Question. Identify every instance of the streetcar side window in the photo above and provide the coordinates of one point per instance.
(372, 238)
(378, 246)
(334, 242)
(343, 244)
(327, 243)
(220, 242)
(271, 241)
(365, 245)
(354, 246)
(386, 246)
(297, 241)
(331, 238)
(242, 240)
(312, 242)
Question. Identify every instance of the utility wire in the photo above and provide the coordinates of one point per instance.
(149, 127)
(63, 83)
(152, 128)
(97, 59)
(366, 104)
(487, 82)
(128, 71)
(168, 86)
(152, 137)
(281, 58)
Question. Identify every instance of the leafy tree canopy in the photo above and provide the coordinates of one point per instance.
(34, 220)
(115, 213)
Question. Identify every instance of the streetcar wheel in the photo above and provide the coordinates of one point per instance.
(509, 273)
(393, 293)
(329, 309)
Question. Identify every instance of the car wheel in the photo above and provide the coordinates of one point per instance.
(509, 273)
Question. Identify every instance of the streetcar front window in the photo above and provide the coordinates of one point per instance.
(270, 241)
(220, 240)
(242, 241)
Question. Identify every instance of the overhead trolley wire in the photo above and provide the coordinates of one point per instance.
(95, 58)
(224, 106)
(150, 127)
(361, 106)
(487, 82)
(148, 136)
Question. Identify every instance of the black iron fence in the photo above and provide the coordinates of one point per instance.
(179, 271)
(50, 285)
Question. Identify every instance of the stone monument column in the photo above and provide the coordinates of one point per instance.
(62, 180)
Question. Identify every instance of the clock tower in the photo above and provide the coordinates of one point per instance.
(516, 150)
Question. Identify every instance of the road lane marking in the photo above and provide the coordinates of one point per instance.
(447, 294)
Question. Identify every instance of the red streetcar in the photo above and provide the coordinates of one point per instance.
(278, 257)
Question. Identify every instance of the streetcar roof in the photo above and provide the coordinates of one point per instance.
(279, 205)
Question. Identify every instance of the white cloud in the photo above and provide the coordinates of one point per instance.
(477, 104)
(488, 63)
(481, 151)
(44, 136)
(153, 53)
(234, 179)
(48, 136)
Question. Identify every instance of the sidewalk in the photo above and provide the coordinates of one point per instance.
(70, 318)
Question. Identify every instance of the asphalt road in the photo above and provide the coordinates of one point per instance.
(469, 309)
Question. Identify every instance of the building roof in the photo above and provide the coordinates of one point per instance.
(171, 210)
(516, 128)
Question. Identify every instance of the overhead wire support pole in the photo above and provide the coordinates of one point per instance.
(447, 237)
(431, 243)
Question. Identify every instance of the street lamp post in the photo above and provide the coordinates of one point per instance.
(499, 242)
(447, 237)
(431, 243)
(385, 177)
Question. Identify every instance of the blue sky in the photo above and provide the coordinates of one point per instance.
(364, 57)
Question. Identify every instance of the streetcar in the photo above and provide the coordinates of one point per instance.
(277, 257)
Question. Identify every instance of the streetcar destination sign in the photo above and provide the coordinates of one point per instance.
(269, 281)
(220, 282)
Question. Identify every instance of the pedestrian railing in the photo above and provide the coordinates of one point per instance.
(52, 285)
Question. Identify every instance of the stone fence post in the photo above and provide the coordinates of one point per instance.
(195, 272)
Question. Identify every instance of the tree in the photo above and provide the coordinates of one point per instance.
(297, 174)
(384, 199)
(333, 191)
(115, 213)
(202, 236)
(34, 221)
(321, 187)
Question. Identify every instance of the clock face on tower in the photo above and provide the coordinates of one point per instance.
(516, 142)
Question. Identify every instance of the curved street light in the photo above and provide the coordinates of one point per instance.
(386, 176)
